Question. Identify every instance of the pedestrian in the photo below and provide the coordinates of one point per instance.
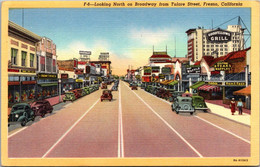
(233, 106)
(239, 106)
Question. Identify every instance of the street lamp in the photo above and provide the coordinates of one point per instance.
(59, 90)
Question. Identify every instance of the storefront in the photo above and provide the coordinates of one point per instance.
(47, 85)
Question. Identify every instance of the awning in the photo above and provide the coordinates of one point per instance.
(244, 92)
(197, 85)
(163, 82)
(48, 84)
(209, 88)
(173, 82)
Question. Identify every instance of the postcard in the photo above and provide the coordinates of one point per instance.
(130, 83)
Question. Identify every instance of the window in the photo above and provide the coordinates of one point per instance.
(14, 56)
(212, 49)
(42, 62)
(212, 45)
(216, 45)
(54, 65)
(225, 45)
(48, 64)
(24, 58)
(31, 59)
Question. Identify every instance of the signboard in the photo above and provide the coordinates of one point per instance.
(64, 76)
(193, 69)
(79, 80)
(103, 56)
(166, 70)
(28, 71)
(42, 75)
(154, 79)
(235, 83)
(219, 36)
(84, 52)
(161, 76)
(147, 70)
(13, 70)
(155, 69)
(193, 76)
(215, 72)
(214, 83)
(222, 66)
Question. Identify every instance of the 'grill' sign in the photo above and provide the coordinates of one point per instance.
(219, 36)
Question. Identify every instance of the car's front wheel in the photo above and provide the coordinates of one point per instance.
(23, 123)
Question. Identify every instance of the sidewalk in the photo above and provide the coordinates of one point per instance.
(223, 111)
(54, 100)
(220, 103)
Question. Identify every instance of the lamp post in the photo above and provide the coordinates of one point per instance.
(59, 90)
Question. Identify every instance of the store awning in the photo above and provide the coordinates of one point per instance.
(48, 84)
(209, 88)
(163, 82)
(173, 82)
(197, 85)
(244, 92)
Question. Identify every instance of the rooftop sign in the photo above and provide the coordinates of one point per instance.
(218, 36)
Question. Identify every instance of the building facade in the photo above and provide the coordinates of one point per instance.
(21, 63)
(46, 60)
(208, 42)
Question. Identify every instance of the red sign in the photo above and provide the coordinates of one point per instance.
(81, 62)
(215, 72)
(64, 76)
(28, 82)
(13, 70)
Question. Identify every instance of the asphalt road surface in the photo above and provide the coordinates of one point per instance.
(134, 124)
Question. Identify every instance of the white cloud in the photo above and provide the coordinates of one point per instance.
(151, 36)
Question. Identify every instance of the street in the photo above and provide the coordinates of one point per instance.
(134, 124)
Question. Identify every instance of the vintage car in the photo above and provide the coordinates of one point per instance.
(114, 88)
(130, 84)
(69, 96)
(21, 113)
(96, 86)
(41, 107)
(91, 89)
(103, 86)
(134, 87)
(160, 92)
(148, 88)
(198, 103)
(175, 94)
(106, 95)
(142, 86)
(183, 104)
(78, 93)
(154, 90)
(86, 90)
(84, 93)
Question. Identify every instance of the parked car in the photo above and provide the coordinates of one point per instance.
(154, 90)
(183, 104)
(198, 103)
(86, 90)
(78, 93)
(41, 107)
(84, 93)
(114, 88)
(21, 113)
(69, 96)
(134, 87)
(91, 89)
(160, 92)
(175, 94)
(148, 88)
(142, 86)
(103, 86)
(106, 95)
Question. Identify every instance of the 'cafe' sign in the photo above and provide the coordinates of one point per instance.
(218, 36)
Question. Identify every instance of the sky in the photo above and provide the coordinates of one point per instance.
(128, 34)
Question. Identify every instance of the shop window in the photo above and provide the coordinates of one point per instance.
(24, 58)
(31, 59)
(14, 56)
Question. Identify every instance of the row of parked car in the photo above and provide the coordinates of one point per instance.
(77, 93)
(107, 94)
(181, 101)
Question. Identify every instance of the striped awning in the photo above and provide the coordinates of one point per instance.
(208, 88)
(173, 82)
(197, 85)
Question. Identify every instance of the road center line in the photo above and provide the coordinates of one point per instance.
(231, 133)
(120, 128)
(57, 142)
(166, 123)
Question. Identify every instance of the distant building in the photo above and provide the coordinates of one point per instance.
(217, 43)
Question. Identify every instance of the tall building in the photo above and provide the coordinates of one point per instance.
(217, 43)
(21, 63)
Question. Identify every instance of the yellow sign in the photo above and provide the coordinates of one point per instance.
(235, 84)
(79, 80)
(222, 66)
